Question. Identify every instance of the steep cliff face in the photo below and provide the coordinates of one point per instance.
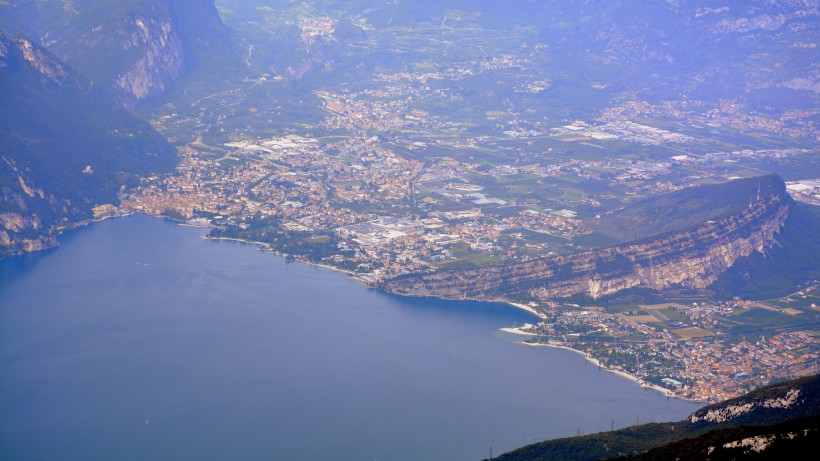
(63, 148)
(138, 48)
(157, 49)
(692, 258)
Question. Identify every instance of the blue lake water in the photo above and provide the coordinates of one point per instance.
(136, 339)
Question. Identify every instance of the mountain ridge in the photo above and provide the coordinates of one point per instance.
(691, 258)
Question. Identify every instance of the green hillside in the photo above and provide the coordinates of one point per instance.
(793, 440)
(685, 209)
(769, 406)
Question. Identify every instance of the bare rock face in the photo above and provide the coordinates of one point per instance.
(15, 222)
(140, 54)
(160, 57)
(692, 258)
(21, 234)
(138, 48)
(40, 61)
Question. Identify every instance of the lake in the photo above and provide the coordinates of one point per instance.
(137, 339)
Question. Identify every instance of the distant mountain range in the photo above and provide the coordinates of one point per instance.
(777, 422)
(65, 147)
(760, 52)
(689, 239)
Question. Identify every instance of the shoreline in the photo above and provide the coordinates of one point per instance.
(511, 330)
(85, 222)
(519, 330)
(527, 308)
(266, 247)
(51, 239)
(352, 275)
(621, 373)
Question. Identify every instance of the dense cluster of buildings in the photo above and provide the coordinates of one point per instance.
(694, 354)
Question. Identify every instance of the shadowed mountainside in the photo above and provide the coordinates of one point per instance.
(64, 148)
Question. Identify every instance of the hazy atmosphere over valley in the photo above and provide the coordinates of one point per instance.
(409, 230)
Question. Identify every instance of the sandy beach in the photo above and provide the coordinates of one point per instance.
(519, 330)
(528, 309)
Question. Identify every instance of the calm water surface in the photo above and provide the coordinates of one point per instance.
(136, 339)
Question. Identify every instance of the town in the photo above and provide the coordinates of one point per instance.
(399, 175)
(697, 351)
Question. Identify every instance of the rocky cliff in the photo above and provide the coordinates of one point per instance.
(157, 55)
(138, 48)
(691, 258)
